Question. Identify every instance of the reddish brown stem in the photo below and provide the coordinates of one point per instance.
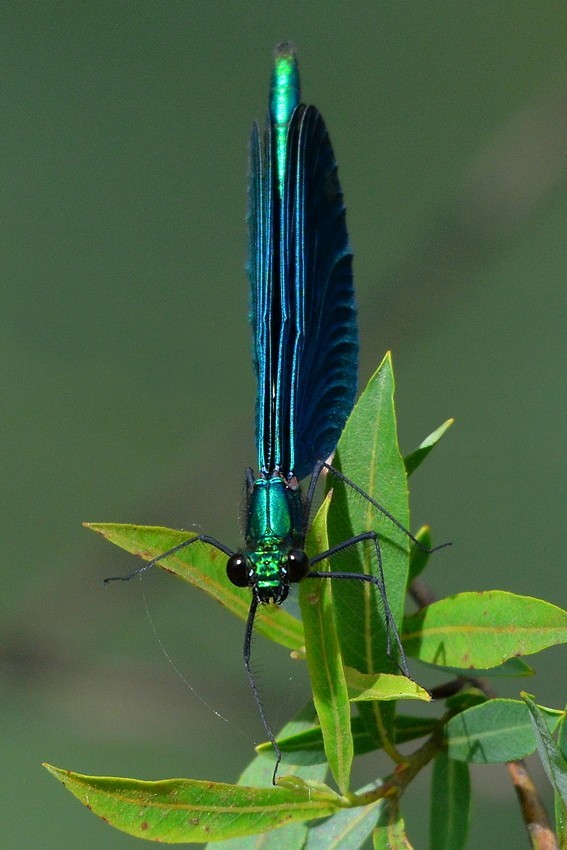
(534, 814)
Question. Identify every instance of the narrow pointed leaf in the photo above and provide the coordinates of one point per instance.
(550, 755)
(324, 661)
(499, 730)
(478, 630)
(177, 811)
(560, 813)
(418, 557)
(203, 567)
(450, 803)
(368, 454)
(416, 458)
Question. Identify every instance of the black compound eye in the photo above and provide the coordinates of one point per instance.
(237, 570)
(297, 565)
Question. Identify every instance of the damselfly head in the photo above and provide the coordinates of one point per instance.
(269, 573)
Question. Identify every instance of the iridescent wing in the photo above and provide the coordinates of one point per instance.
(302, 302)
(324, 341)
(260, 268)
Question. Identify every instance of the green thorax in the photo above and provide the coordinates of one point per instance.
(284, 97)
(275, 525)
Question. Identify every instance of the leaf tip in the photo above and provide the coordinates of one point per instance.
(57, 772)
(97, 527)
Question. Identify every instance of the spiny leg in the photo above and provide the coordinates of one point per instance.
(322, 464)
(202, 538)
(247, 647)
(378, 581)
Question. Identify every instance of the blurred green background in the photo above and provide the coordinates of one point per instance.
(126, 380)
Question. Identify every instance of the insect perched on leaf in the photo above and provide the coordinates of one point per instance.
(305, 348)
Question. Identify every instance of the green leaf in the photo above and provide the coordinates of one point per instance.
(479, 630)
(390, 834)
(562, 735)
(450, 803)
(499, 730)
(292, 836)
(416, 458)
(368, 454)
(551, 758)
(203, 567)
(347, 830)
(176, 811)
(259, 773)
(560, 815)
(466, 698)
(419, 557)
(382, 686)
(307, 747)
(324, 661)
(513, 667)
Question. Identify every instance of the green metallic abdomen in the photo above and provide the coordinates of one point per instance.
(284, 97)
